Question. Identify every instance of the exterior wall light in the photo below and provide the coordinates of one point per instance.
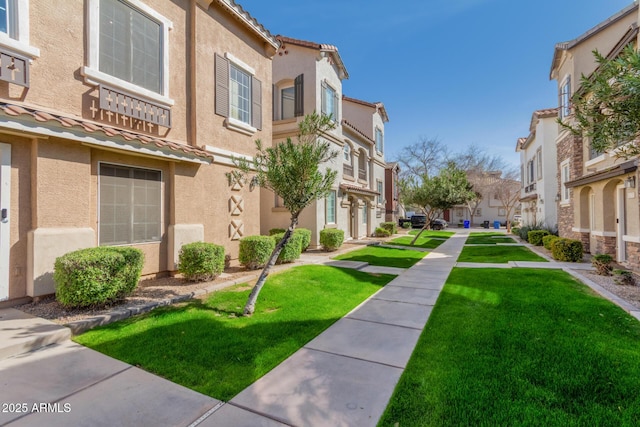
(630, 182)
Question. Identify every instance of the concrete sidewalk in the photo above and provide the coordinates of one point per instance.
(345, 376)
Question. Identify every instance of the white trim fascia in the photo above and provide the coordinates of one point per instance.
(225, 157)
(595, 160)
(91, 70)
(241, 64)
(632, 239)
(580, 230)
(5, 225)
(239, 126)
(119, 144)
(603, 233)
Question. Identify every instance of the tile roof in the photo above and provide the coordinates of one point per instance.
(355, 189)
(329, 48)
(246, 18)
(378, 106)
(104, 132)
(356, 130)
(542, 114)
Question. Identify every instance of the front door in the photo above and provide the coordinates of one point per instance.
(5, 199)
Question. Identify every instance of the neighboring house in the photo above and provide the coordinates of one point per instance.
(538, 170)
(107, 135)
(307, 77)
(489, 209)
(393, 208)
(598, 199)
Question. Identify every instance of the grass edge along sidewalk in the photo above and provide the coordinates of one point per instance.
(520, 347)
(207, 346)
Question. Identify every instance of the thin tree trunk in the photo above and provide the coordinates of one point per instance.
(250, 306)
(426, 227)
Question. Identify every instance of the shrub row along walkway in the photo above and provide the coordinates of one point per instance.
(345, 376)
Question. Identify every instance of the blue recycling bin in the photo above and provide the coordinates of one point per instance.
(496, 225)
(467, 224)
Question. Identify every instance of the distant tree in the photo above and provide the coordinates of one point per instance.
(292, 171)
(507, 190)
(423, 158)
(435, 194)
(607, 106)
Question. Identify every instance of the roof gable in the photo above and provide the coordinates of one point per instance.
(327, 50)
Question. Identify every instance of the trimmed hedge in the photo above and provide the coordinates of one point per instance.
(390, 226)
(291, 251)
(331, 239)
(515, 230)
(382, 232)
(97, 276)
(548, 240)
(535, 236)
(564, 249)
(305, 233)
(275, 231)
(255, 251)
(200, 261)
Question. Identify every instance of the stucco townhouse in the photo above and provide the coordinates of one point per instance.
(597, 192)
(118, 122)
(538, 170)
(307, 77)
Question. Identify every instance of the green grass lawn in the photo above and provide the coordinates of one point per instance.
(208, 347)
(521, 347)
(388, 257)
(476, 238)
(498, 254)
(427, 240)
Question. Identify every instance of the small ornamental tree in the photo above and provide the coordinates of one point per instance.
(292, 171)
(433, 195)
(606, 108)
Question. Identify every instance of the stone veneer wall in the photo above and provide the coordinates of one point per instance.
(605, 245)
(569, 147)
(633, 255)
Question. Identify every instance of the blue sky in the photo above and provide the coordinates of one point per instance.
(462, 71)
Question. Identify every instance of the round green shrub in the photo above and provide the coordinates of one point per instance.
(305, 233)
(535, 236)
(515, 230)
(98, 276)
(200, 261)
(291, 251)
(255, 251)
(331, 239)
(391, 227)
(275, 231)
(382, 232)
(569, 250)
(547, 241)
(406, 225)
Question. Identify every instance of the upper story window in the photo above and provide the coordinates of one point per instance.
(531, 172)
(331, 207)
(238, 94)
(347, 153)
(329, 101)
(379, 141)
(287, 102)
(128, 48)
(539, 163)
(565, 176)
(380, 192)
(14, 27)
(565, 98)
(130, 45)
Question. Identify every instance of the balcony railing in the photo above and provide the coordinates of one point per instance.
(530, 188)
(115, 101)
(362, 174)
(347, 170)
(14, 68)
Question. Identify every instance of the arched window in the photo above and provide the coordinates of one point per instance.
(347, 153)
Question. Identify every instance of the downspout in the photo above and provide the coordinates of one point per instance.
(192, 137)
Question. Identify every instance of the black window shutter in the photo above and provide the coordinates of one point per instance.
(256, 100)
(222, 86)
(298, 90)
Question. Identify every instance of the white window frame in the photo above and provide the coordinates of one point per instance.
(293, 99)
(347, 153)
(161, 224)
(379, 142)
(565, 176)
(326, 100)
(539, 163)
(19, 43)
(380, 188)
(332, 194)
(92, 72)
(565, 98)
(232, 122)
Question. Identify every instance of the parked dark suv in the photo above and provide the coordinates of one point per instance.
(418, 221)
